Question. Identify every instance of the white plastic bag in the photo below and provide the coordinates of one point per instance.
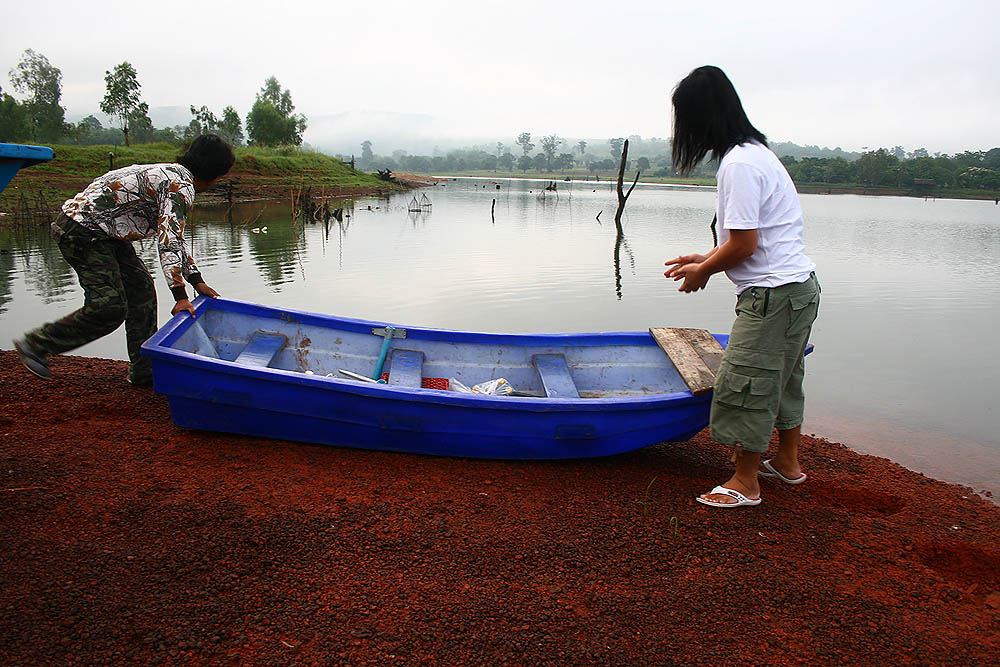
(456, 385)
(498, 387)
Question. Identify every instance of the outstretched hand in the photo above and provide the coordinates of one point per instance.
(689, 269)
(693, 258)
(205, 290)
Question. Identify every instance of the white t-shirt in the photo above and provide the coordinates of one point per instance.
(756, 192)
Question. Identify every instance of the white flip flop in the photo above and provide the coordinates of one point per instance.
(773, 472)
(741, 500)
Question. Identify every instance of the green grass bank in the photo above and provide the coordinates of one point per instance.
(259, 173)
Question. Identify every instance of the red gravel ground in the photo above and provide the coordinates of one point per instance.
(127, 540)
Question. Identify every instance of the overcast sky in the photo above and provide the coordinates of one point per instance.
(850, 74)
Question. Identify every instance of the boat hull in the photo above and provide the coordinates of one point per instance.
(289, 404)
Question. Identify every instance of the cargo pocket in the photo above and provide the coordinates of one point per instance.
(749, 378)
(746, 391)
(800, 301)
(731, 388)
(804, 310)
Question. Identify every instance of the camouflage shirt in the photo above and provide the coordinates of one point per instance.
(140, 202)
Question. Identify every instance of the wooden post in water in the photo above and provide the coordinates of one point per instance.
(623, 197)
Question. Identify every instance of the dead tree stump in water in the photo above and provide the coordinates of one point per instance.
(623, 196)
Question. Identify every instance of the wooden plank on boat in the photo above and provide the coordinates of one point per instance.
(555, 376)
(692, 353)
(262, 349)
(707, 347)
(406, 369)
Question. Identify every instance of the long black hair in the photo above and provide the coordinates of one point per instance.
(208, 157)
(708, 117)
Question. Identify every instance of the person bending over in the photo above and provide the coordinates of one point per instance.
(759, 384)
(95, 232)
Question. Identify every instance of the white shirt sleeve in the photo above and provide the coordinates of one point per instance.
(740, 189)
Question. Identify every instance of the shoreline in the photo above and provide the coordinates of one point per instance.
(129, 539)
(37, 193)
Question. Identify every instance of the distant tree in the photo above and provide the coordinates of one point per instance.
(122, 97)
(876, 168)
(15, 126)
(140, 125)
(918, 153)
(979, 177)
(563, 161)
(267, 127)
(166, 135)
(500, 149)
(270, 121)
(90, 132)
(616, 148)
(581, 146)
(524, 163)
(230, 127)
(204, 121)
(549, 145)
(898, 152)
(281, 99)
(524, 141)
(366, 152)
(92, 123)
(506, 161)
(37, 78)
(991, 158)
(642, 164)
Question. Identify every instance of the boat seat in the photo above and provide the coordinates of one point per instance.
(406, 368)
(262, 349)
(555, 377)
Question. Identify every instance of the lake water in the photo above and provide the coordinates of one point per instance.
(911, 290)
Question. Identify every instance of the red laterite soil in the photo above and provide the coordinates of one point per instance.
(126, 540)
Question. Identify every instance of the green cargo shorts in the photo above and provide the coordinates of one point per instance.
(759, 385)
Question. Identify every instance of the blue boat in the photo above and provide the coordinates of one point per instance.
(245, 368)
(14, 157)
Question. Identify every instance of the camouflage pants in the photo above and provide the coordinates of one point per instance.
(117, 288)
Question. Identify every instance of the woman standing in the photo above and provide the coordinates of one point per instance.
(759, 385)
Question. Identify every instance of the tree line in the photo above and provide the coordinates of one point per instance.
(882, 168)
(38, 117)
(555, 154)
(887, 168)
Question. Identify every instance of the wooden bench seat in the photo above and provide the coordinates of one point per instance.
(555, 376)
